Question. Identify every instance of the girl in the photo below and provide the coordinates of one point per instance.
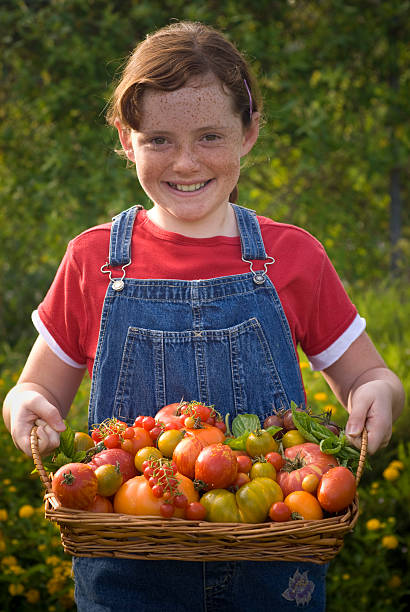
(196, 298)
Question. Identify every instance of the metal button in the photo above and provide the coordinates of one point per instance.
(259, 279)
(118, 285)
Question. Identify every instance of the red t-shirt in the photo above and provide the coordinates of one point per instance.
(321, 317)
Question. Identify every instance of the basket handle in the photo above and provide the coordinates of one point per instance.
(37, 460)
(362, 458)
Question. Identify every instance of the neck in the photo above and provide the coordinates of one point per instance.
(221, 223)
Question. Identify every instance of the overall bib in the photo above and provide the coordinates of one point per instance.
(223, 341)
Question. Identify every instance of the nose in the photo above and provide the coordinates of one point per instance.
(185, 160)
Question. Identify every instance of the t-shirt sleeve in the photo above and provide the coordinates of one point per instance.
(61, 318)
(333, 321)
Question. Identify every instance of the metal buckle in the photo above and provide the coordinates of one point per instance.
(259, 277)
(117, 283)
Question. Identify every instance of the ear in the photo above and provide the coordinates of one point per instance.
(251, 135)
(124, 135)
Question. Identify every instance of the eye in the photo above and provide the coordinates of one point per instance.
(158, 141)
(211, 137)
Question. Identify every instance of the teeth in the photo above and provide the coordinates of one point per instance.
(193, 187)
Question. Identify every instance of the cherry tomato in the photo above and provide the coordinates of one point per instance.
(155, 432)
(220, 425)
(167, 510)
(310, 483)
(138, 421)
(96, 435)
(241, 479)
(195, 511)
(148, 423)
(244, 463)
(112, 441)
(180, 500)
(128, 433)
(280, 512)
(275, 459)
(189, 422)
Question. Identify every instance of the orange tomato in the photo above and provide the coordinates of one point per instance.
(141, 438)
(310, 483)
(305, 504)
(207, 434)
(135, 497)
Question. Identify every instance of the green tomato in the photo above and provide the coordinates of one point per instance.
(220, 505)
(263, 469)
(259, 443)
(255, 498)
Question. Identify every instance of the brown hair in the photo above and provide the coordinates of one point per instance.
(169, 57)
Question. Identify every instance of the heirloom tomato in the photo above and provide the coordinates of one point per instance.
(168, 440)
(109, 479)
(136, 497)
(292, 438)
(216, 466)
(75, 485)
(221, 506)
(304, 504)
(336, 489)
(260, 442)
(263, 468)
(185, 455)
(140, 439)
(171, 414)
(208, 434)
(301, 460)
(82, 441)
(114, 456)
(256, 497)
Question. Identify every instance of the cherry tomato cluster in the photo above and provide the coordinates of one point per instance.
(161, 475)
(112, 432)
(196, 413)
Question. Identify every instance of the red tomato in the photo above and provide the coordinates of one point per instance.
(114, 455)
(307, 459)
(280, 512)
(275, 459)
(140, 439)
(244, 463)
(185, 455)
(195, 511)
(216, 466)
(171, 414)
(75, 485)
(337, 489)
(241, 479)
(100, 504)
(112, 441)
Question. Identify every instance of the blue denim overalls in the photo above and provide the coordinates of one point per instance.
(222, 341)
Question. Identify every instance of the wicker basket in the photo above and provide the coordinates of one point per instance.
(90, 534)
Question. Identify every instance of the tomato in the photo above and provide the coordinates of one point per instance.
(136, 497)
(310, 483)
(304, 504)
(171, 414)
(221, 506)
(96, 435)
(275, 459)
(109, 479)
(198, 411)
(148, 423)
(337, 489)
(244, 463)
(208, 434)
(280, 512)
(140, 439)
(82, 441)
(259, 443)
(301, 460)
(292, 438)
(185, 454)
(195, 511)
(75, 485)
(265, 468)
(256, 497)
(114, 455)
(100, 504)
(241, 479)
(168, 440)
(145, 453)
(216, 466)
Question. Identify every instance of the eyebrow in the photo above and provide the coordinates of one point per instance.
(206, 128)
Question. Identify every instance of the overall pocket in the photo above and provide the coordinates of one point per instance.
(231, 368)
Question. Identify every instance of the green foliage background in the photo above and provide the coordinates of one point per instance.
(332, 158)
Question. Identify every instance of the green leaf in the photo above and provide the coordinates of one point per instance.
(245, 423)
(67, 441)
(238, 443)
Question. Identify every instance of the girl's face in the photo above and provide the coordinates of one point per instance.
(187, 154)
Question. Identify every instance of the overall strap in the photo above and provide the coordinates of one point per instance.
(250, 233)
(121, 236)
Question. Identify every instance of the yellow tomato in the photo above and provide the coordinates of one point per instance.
(168, 440)
(292, 438)
(145, 453)
(82, 441)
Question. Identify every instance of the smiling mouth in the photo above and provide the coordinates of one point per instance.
(190, 188)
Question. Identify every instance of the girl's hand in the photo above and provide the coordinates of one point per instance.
(370, 406)
(32, 408)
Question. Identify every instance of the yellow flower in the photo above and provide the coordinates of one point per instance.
(304, 365)
(2, 545)
(26, 511)
(12, 489)
(375, 485)
(3, 514)
(390, 542)
(330, 408)
(373, 524)
(398, 465)
(55, 541)
(16, 569)
(41, 547)
(346, 576)
(16, 589)
(391, 474)
(7, 481)
(52, 560)
(394, 582)
(32, 596)
(320, 397)
(391, 520)
(10, 560)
